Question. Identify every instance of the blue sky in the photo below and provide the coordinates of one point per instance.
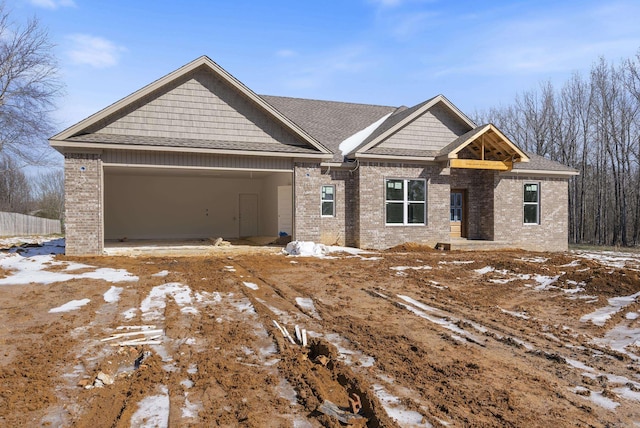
(390, 52)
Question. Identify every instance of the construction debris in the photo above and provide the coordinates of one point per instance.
(331, 409)
(146, 335)
(219, 242)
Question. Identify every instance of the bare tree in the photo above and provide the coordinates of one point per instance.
(15, 191)
(592, 125)
(49, 194)
(29, 85)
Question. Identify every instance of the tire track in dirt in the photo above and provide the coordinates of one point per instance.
(535, 366)
(315, 372)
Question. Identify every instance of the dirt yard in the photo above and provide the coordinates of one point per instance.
(412, 336)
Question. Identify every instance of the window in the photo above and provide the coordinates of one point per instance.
(532, 203)
(328, 201)
(405, 201)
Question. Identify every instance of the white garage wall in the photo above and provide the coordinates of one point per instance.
(269, 202)
(176, 207)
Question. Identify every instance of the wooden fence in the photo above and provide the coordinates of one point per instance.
(14, 224)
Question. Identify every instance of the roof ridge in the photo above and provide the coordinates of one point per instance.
(328, 101)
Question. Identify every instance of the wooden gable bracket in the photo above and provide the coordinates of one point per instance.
(489, 148)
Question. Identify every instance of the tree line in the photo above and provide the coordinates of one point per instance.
(591, 123)
(29, 86)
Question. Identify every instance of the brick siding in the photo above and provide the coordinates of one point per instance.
(83, 204)
(552, 232)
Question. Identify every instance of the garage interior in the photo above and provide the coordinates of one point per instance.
(173, 204)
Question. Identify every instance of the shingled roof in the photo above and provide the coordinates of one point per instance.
(329, 122)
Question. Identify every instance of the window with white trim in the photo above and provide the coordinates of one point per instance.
(405, 201)
(328, 201)
(531, 203)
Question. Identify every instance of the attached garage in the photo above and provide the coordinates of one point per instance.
(194, 155)
(161, 203)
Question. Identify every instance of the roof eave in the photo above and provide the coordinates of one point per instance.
(545, 172)
(394, 157)
(68, 146)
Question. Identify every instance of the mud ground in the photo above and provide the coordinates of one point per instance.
(411, 331)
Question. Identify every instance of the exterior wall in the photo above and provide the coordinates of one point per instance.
(372, 231)
(170, 206)
(83, 204)
(432, 131)
(480, 205)
(307, 180)
(552, 232)
(199, 160)
(338, 230)
(198, 106)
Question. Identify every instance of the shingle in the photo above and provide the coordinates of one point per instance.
(537, 163)
(329, 122)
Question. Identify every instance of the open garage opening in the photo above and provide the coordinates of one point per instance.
(175, 204)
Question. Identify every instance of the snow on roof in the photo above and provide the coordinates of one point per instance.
(350, 143)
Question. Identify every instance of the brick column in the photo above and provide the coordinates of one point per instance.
(83, 204)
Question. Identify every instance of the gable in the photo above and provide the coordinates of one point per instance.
(416, 133)
(429, 132)
(199, 106)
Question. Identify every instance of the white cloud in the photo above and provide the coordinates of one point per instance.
(94, 51)
(52, 4)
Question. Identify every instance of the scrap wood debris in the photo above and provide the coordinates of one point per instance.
(136, 335)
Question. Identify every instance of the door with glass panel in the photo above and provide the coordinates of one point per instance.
(457, 214)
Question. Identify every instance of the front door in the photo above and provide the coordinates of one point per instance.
(248, 214)
(457, 214)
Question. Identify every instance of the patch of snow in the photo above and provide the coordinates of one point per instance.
(627, 393)
(190, 410)
(602, 401)
(544, 281)
(346, 354)
(613, 259)
(112, 295)
(456, 262)
(515, 314)
(616, 304)
(572, 264)
(402, 268)
(70, 306)
(484, 270)
(130, 314)
(187, 383)
(353, 141)
(155, 302)
(620, 338)
(392, 405)
(162, 273)
(306, 303)
(439, 318)
(29, 269)
(153, 411)
(251, 285)
(534, 259)
(632, 315)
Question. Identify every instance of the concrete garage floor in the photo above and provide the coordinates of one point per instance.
(191, 247)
